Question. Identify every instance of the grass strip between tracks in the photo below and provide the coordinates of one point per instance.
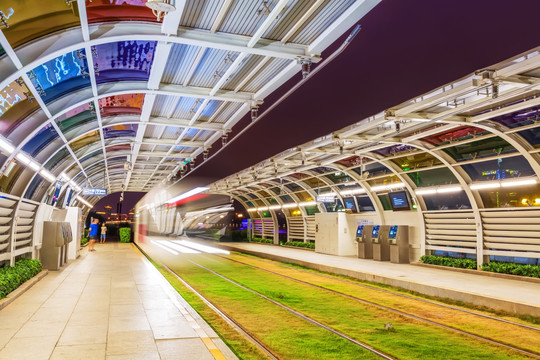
(410, 340)
(289, 336)
(527, 339)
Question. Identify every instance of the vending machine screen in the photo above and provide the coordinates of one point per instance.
(392, 234)
(359, 230)
(375, 232)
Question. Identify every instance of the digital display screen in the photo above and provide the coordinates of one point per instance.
(349, 204)
(399, 200)
(359, 230)
(375, 232)
(392, 234)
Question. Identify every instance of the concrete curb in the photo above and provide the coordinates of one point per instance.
(480, 272)
(494, 303)
(12, 296)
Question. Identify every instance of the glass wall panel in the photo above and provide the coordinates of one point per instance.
(521, 196)
(415, 161)
(499, 169)
(373, 169)
(434, 177)
(448, 201)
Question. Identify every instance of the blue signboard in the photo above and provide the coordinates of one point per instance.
(94, 192)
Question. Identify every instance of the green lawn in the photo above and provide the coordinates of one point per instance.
(291, 337)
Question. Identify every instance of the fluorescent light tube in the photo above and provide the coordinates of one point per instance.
(449, 189)
(489, 185)
(6, 146)
(521, 182)
(34, 165)
(23, 158)
(308, 203)
(47, 175)
(274, 207)
(288, 206)
(426, 192)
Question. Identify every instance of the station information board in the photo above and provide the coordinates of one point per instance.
(94, 192)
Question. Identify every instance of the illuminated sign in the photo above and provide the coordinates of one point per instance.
(94, 192)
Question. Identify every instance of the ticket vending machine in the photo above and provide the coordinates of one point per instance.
(379, 238)
(398, 237)
(54, 249)
(363, 239)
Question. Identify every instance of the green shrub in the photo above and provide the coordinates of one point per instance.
(512, 268)
(449, 261)
(12, 277)
(84, 240)
(301, 244)
(239, 235)
(125, 234)
(261, 240)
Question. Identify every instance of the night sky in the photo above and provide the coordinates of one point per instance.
(130, 199)
(405, 49)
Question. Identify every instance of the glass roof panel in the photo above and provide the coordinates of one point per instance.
(35, 18)
(61, 75)
(44, 137)
(115, 10)
(77, 121)
(121, 104)
(479, 149)
(85, 140)
(119, 131)
(15, 106)
(532, 136)
(391, 150)
(123, 61)
(58, 158)
(518, 118)
(457, 134)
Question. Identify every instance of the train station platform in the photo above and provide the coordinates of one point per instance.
(509, 295)
(107, 304)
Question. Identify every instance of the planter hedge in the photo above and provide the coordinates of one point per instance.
(449, 261)
(263, 241)
(512, 268)
(300, 244)
(12, 277)
(125, 234)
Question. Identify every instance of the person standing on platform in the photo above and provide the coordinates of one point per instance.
(103, 233)
(93, 234)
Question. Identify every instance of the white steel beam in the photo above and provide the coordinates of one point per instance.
(354, 13)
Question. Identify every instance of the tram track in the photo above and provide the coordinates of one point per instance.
(295, 312)
(226, 317)
(383, 307)
(391, 292)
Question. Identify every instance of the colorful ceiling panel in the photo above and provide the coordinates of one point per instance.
(34, 18)
(61, 75)
(12, 94)
(116, 10)
(120, 131)
(460, 133)
(124, 60)
(121, 105)
(44, 137)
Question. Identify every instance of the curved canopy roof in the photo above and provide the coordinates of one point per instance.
(101, 94)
